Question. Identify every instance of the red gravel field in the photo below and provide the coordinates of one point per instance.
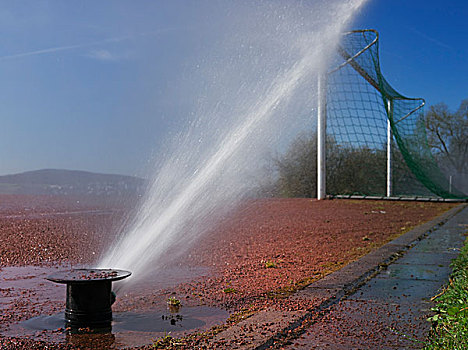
(254, 259)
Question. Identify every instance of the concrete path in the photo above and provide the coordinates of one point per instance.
(390, 310)
(380, 301)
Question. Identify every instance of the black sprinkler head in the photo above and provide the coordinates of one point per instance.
(89, 295)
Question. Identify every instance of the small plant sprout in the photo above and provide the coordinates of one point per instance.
(173, 301)
(174, 305)
(167, 342)
(270, 264)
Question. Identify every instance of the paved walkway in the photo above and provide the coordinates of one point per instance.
(380, 301)
(390, 310)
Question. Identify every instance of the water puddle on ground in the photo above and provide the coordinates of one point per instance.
(33, 308)
(128, 328)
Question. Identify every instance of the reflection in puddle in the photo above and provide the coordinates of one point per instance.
(189, 318)
(125, 326)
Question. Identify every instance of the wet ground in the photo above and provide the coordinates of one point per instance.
(128, 329)
(26, 288)
(390, 311)
(247, 264)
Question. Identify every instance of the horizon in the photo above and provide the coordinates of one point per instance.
(87, 88)
(70, 170)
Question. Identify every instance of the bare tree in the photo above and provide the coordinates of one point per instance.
(447, 135)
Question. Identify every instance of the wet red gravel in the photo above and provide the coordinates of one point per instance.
(274, 245)
(264, 251)
(356, 324)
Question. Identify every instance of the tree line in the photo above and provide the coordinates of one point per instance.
(362, 170)
(447, 136)
(350, 170)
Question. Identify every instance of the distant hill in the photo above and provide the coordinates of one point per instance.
(71, 182)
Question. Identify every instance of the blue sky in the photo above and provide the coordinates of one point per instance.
(423, 51)
(96, 85)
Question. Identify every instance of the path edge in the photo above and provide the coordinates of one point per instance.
(331, 289)
(351, 277)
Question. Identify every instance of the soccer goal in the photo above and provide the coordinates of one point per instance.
(373, 137)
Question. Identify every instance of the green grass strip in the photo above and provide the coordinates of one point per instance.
(450, 320)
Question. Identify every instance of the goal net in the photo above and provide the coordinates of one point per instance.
(363, 110)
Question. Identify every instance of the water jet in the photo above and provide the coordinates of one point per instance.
(89, 295)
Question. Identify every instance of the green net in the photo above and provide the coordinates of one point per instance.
(360, 102)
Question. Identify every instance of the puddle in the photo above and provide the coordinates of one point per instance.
(140, 316)
(128, 328)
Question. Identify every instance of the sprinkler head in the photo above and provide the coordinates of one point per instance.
(89, 295)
